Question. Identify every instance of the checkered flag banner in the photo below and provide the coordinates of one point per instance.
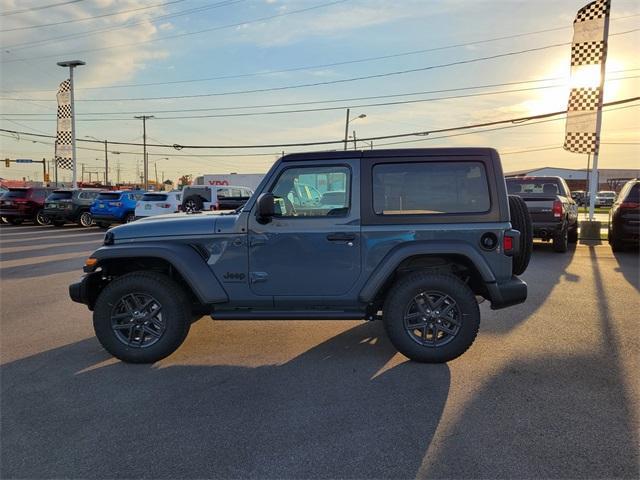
(588, 53)
(64, 150)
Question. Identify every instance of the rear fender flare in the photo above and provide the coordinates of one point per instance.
(394, 258)
(183, 258)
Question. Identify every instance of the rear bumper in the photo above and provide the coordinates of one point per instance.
(506, 294)
(546, 229)
(60, 215)
(106, 218)
(17, 213)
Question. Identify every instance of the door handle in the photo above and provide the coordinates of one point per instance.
(341, 237)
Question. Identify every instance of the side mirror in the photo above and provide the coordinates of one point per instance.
(266, 208)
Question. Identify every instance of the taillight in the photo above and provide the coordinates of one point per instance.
(558, 209)
(507, 244)
(630, 205)
(163, 205)
(116, 204)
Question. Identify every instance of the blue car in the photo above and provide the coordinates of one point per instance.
(115, 207)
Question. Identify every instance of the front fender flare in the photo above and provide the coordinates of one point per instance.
(191, 266)
(391, 261)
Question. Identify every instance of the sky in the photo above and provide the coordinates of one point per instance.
(312, 53)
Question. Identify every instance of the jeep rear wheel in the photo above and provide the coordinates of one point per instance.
(42, 219)
(85, 220)
(431, 318)
(521, 221)
(192, 204)
(142, 317)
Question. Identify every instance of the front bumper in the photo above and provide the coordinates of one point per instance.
(87, 289)
(506, 294)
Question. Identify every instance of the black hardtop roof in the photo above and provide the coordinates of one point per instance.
(392, 152)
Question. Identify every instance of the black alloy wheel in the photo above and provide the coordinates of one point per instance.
(42, 219)
(136, 320)
(432, 319)
(86, 219)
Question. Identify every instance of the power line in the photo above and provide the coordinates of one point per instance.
(94, 17)
(331, 82)
(352, 99)
(72, 36)
(325, 65)
(334, 142)
(184, 34)
(324, 109)
(33, 9)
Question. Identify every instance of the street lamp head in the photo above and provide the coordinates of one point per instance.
(362, 115)
(71, 63)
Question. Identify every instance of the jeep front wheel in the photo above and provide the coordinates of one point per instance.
(142, 317)
(431, 318)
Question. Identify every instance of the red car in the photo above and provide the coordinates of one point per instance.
(20, 204)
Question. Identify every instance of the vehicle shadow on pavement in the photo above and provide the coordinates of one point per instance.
(47, 251)
(39, 269)
(551, 268)
(554, 416)
(628, 266)
(332, 412)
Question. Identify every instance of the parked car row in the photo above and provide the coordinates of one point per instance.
(87, 207)
(554, 210)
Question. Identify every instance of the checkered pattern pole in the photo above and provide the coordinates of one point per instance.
(64, 138)
(584, 109)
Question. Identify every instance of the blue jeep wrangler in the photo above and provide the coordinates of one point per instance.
(412, 237)
(115, 207)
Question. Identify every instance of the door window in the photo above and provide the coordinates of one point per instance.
(313, 192)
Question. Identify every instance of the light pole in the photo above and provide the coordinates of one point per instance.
(144, 119)
(72, 64)
(346, 126)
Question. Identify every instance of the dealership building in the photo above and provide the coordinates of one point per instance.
(608, 178)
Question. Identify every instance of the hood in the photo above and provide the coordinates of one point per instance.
(172, 225)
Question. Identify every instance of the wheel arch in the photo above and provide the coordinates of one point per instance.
(456, 258)
(183, 263)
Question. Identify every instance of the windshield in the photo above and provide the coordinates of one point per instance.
(543, 186)
(109, 196)
(61, 195)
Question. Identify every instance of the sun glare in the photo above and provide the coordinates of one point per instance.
(555, 99)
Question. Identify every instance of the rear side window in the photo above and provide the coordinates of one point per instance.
(109, 196)
(634, 194)
(154, 197)
(60, 196)
(17, 193)
(423, 188)
(546, 186)
(88, 195)
(223, 193)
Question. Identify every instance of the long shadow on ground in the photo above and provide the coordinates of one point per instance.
(324, 414)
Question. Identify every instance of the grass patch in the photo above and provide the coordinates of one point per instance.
(595, 210)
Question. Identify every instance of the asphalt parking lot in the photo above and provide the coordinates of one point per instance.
(549, 389)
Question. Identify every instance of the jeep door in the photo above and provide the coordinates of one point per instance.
(308, 248)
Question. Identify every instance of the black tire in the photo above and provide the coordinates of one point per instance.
(404, 337)
(561, 241)
(130, 217)
(573, 234)
(58, 223)
(102, 225)
(15, 221)
(614, 241)
(192, 204)
(521, 221)
(41, 219)
(85, 219)
(175, 311)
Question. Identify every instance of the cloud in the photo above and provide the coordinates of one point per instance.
(103, 67)
(334, 21)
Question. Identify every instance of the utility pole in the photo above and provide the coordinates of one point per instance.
(118, 173)
(355, 143)
(155, 166)
(144, 119)
(75, 183)
(346, 130)
(106, 165)
(72, 64)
